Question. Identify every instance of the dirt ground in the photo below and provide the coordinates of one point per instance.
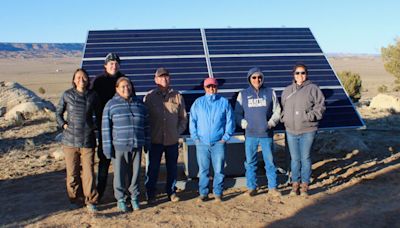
(358, 186)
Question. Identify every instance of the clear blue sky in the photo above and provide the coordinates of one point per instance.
(340, 26)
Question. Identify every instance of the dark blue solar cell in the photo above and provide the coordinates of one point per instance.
(231, 53)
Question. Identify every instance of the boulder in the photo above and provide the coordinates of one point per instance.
(384, 102)
(16, 98)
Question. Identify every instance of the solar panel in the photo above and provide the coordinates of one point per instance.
(226, 54)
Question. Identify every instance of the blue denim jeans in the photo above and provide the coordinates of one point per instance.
(126, 166)
(171, 160)
(300, 147)
(216, 155)
(251, 145)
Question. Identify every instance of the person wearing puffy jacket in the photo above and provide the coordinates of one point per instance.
(257, 111)
(78, 139)
(211, 125)
(303, 105)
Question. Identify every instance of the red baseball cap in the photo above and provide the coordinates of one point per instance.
(210, 81)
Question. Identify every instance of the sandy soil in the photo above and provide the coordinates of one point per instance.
(351, 187)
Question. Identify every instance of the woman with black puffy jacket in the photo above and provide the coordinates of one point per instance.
(79, 139)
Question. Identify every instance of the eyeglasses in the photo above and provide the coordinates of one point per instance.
(300, 72)
(211, 86)
(255, 77)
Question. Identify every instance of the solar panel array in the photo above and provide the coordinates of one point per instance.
(226, 54)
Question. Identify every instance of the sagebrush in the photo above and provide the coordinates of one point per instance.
(352, 84)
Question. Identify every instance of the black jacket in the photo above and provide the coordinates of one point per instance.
(80, 110)
(104, 86)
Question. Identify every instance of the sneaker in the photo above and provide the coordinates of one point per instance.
(92, 208)
(174, 198)
(202, 198)
(303, 189)
(304, 194)
(135, 205)
(151, 200)
(122, 205)
(275, 193)
(295, 189)
(218, 199)
(250, 192)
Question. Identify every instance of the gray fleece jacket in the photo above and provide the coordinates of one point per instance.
(303, 107)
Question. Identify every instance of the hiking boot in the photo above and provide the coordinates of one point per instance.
(201, 199)
(174, 198)
(218, 199)
(151, 200)
(304, 189)
(91, 208)
(122, 205)
(135, 204)
(275, 193)
(295, 189)
(250, 193)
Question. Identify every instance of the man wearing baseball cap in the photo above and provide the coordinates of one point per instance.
(168, 119)
(211, 125)
(104, 85)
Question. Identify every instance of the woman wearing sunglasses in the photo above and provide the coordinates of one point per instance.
(303, 106)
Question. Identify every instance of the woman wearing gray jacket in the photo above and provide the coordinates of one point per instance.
(303, 106)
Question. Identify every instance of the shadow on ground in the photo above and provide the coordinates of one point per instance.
(370, 203)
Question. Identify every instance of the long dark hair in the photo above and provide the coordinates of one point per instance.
(86, 76)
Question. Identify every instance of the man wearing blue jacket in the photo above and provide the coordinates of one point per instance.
(257, 111)
(211, 125)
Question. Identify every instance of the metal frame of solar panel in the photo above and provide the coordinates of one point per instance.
(226, 54)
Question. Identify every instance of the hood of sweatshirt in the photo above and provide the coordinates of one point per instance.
(251, 72)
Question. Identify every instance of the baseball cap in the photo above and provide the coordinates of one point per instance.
(210, 81)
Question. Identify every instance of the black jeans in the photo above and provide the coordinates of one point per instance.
(102, 174)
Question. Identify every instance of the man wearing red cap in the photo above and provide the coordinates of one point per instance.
(211, 125)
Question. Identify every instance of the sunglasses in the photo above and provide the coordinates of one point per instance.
(211, 86)
(300, 72)
(255, 77)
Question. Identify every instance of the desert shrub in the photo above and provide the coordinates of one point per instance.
(391, 58)
(396, 88)
(352, 84)
(382, 89)
(42, 90)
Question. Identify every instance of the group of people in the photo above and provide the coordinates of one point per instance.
(127, 126)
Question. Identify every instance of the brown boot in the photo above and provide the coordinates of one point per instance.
(304, 189)
(295, 189)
